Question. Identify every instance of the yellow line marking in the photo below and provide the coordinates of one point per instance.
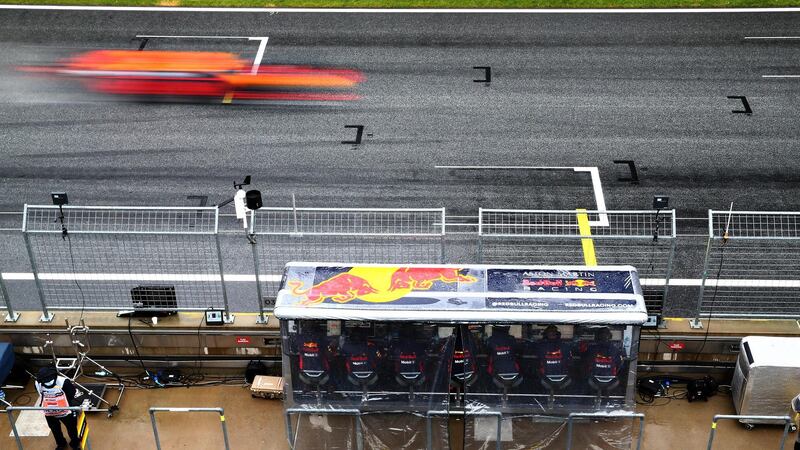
(588, 244)
(228, 98)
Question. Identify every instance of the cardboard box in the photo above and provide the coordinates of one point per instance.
(267, 387)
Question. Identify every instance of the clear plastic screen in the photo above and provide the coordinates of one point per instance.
(388, 376)
(535, 375)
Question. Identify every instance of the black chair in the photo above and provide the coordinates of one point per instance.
(506, 381)
(410, 380)
(363, 379)
(315, 378)
(601, 385)
(554, 383)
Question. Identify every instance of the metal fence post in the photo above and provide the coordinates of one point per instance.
(220, 411)
(251, 237)
(11, 316)
(787, 422)
(670, 261)
(603, 415)
(696, 323)
(46, 316)
(442, 256)
(480, 236)
(10, 411)
(228, 316)
(322, 411)
(155, 428)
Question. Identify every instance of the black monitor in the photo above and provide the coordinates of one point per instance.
(149, 301)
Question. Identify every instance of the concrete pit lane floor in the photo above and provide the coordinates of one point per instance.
(255, 423)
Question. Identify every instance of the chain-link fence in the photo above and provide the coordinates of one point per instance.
(643, 239)
(752, 265)
(124, 258)
(344, 235)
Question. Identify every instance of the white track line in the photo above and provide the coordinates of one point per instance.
(594, 172)
(780, 76)
(260, 54)
(27, 276)
(404, 11)
(771, 38)
(169, 36)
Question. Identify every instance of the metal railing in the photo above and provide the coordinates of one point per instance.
(786, 419)
(10, 412)
(329, 411)
(643, 239)
(751, 265)
(613, 415)
(443, 413)
(113, 258)
(219, 411)
(11, 315)
(346, 236)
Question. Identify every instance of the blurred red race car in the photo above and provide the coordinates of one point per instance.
(209, 76)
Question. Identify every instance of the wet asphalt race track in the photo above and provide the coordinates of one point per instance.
(566, 90)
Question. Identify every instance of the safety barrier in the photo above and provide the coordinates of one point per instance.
(606, 416)
(751, 265)
(643, 239)
(219, 411)
(786, 419)
(83, 427)
(346, 236)
(429, 427)
(11, 315)
(113, 258)
(110, 258)
(340, 412)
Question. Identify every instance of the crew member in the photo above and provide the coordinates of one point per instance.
(463, 367)
(603, 359)
(409, 358)
(554, 355)
(360, 358)
(313, 353)
(502, 349)
(58, 391)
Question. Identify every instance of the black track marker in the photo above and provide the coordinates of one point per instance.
(143, 43)
(634, 178)
(746, 110)
(488, 74)
(203, 200)
(359, 132)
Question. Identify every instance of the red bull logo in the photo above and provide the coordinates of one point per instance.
(543, 283)
(422, 278)
(341, 288)
(376, 284)
(581, 283)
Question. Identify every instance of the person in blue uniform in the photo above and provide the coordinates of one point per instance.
(502, 349)
(554, 355)
(603, 359)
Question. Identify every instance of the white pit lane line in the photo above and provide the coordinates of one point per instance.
(594, 172)
(259, 54)
(247, 278)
